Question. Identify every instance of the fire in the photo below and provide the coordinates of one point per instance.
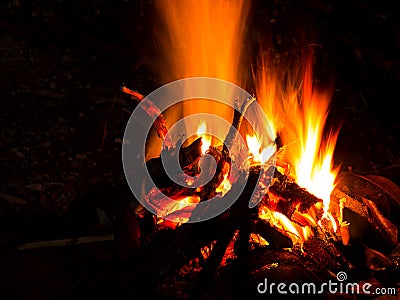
(255, 150)
(205, 139)
(205, 38)
(178, 210)
(299, 113)
(297, 233)
(226, 183)
(200, 38)
(311, 156)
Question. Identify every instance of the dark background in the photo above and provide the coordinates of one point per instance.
(62, 64)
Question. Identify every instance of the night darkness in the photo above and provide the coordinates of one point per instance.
(63, 116)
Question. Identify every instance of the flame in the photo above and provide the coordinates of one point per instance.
(226, 183)
(205, 139)
(297, 233)
(268, 90)
(299, 111)
(200, 38)
(255, 149)
(205, 38)
(309, 154)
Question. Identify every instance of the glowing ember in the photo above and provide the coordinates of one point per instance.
(206, 250)
(258, 239)
(205, 138)
(189, 181)
(178, 210)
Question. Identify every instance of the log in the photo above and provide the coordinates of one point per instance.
(66, 242)
(238, 218)
(275, 239)
(326, 254)
(188, 158)
(350, 203)
(383, 225)
(370, 211)
(238, 115)
(153, 111)
(12, 199)
(290, 196)
(223, 159)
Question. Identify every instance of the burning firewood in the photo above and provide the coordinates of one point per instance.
(239, 218)
(223, 159)
(188, 159)
(284, 197)
(289, 196)
(230, 137)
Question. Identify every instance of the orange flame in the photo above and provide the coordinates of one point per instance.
(205, 139)
(205, 38)
(307, 152)
(259, 156)
(297, 233)
(298, 113)
(226, 183)
(200, 38)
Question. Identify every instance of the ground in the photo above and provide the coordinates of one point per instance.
(62, 65)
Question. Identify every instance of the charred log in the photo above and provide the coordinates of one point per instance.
(289, 196)
(383, 225)
(188, 159)
(370, 210)
(223, 167)
(188, 156)
(238, 218)
(326, 254)
(352, 204)
(275, 239)
(223, 158)
(153, 111)
(383, 192)
(237, 121)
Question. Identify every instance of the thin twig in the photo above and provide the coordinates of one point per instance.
(104, 136)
